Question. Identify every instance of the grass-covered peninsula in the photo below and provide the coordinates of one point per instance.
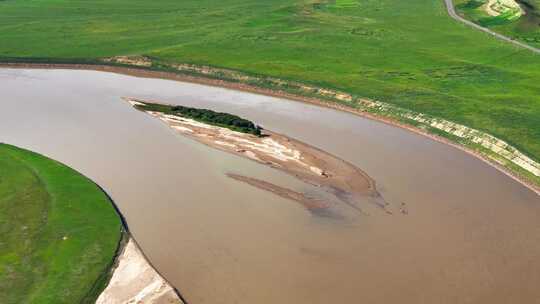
(58, 232)
(225, 120)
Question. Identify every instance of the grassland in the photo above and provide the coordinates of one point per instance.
(408, 53)
(526, 28)
(58, 232)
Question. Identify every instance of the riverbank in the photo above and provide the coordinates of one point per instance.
(463, 138)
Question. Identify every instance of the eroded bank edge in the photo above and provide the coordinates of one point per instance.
(127, 236)
(488, 148)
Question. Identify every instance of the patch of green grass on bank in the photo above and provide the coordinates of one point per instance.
(58, 232)
(526, 28)
(346, 3)
(408, 53)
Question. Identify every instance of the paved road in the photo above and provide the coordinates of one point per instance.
(452, 12)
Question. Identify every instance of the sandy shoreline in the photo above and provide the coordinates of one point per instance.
(134, 280)
(140, 72)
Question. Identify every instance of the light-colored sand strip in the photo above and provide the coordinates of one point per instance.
(134, 102)
(140, 61)
(135, 281)
(182, 129)
(267, 145)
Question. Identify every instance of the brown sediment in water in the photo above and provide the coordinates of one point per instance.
(311, 165)
(306, 202)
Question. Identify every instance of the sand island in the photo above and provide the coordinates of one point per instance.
(235, 135)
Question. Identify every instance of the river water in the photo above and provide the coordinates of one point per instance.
(471, 235)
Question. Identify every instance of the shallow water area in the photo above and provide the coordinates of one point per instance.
(471, 235)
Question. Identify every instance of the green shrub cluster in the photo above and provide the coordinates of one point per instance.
(207, 116)
(217, 118)
(472, 4)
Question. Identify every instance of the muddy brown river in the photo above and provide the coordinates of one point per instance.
(471, 235)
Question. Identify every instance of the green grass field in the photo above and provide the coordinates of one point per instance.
(526, 28)
(408, 53)
(58, 232)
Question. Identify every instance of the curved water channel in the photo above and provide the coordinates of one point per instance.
(471, 235)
